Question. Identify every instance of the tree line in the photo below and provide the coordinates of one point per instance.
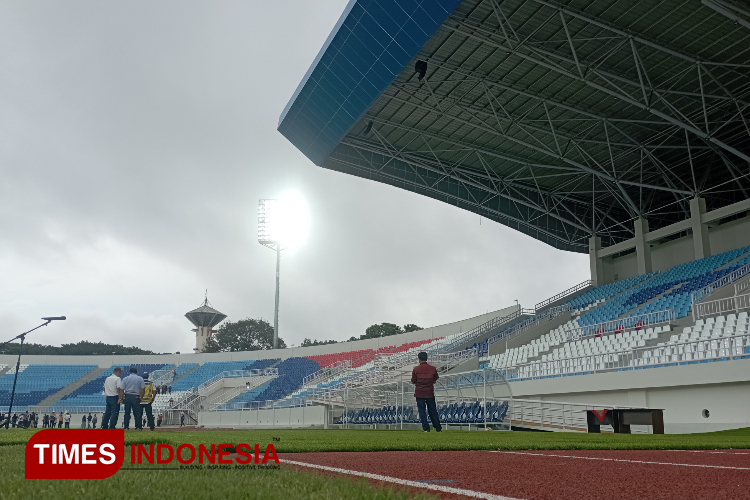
(232, 336)
(257, 334)
(82, 348)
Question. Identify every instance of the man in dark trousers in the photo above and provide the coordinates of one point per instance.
(131, 392)
(424, 377)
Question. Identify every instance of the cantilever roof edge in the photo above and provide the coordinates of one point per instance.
(372, 43)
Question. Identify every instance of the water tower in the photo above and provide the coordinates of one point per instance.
(204, 318)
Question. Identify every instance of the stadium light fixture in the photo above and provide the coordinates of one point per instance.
(47, 321)
(282, 223)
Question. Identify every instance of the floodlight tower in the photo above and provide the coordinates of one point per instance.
(269, 236)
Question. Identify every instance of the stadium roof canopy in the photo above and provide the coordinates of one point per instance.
(561, 120)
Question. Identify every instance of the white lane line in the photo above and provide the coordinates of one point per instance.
(714, 452)
(623, 460)
(404, 482)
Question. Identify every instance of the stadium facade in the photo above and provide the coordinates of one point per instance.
(617, 129)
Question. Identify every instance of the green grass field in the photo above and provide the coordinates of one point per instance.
(289, 483)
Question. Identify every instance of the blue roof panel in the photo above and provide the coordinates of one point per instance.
(373, 41)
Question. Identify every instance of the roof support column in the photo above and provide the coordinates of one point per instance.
(642, 248)
(701, 242)
(597, 266)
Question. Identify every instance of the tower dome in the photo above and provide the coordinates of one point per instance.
(204, 318)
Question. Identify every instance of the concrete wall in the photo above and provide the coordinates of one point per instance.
(307, 416)
(427, 333)
(724, 237)
(682, 391)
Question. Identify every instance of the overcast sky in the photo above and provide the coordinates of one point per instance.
(135, 141)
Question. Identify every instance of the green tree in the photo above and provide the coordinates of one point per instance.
(411, 328)
(82, 348)
(243, 335)
(382, 330)
(311, 343)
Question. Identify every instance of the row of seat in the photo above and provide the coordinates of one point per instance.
(676, 284)
(37, 382)
(456, 413)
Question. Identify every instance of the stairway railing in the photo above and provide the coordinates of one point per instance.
(561, 295)
(707, 290)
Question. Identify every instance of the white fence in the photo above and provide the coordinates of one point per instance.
(637, 322)
(528, 324)
(328, 372)
(490, 325)
(731, 304)
(723, 281)
(569, 291)
(205, 386)
(703, 349)
(554, 415)
(741, 286)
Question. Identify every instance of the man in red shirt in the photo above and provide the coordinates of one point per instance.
(424, 377)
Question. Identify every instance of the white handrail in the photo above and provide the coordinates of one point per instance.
(730, 304)
(327, 372)
(640, 321)
(670, 353)
(234, 374)
(707, 290)
(528, 324)
(551, 415)
(571, 290)
(490, 325)
(741, 286)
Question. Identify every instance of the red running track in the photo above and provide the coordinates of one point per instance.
(551, 475)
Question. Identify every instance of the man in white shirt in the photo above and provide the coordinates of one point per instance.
(112, 387)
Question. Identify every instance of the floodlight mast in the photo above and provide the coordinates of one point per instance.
(268, 236)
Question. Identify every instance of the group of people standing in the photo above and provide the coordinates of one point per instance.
(24, 420)
(52, 420)
(136, 392)
(163, 389)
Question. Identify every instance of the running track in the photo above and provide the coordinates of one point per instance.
(566, 474)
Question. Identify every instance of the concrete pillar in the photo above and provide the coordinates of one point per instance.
(642, 248)
(701, 242)
(597, 267)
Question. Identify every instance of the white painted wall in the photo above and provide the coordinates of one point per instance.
(307, 416)
(682, 391)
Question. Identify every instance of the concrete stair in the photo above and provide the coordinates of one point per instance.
(54, 398)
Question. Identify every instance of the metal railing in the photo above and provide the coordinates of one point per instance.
(554, 415)
(723, 281)
(657, 318)
(528, 324)
(683, 352)
(57, 409)
(205, 386)
(741, 286)
(387, 371)
(162, 377)
(569, 291)
(233, 393)
(490, 325)
(265, 405)
(327, 372)
(730, 304)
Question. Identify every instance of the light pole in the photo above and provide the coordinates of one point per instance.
(282, 224)
(22, 336)
(269, 236)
